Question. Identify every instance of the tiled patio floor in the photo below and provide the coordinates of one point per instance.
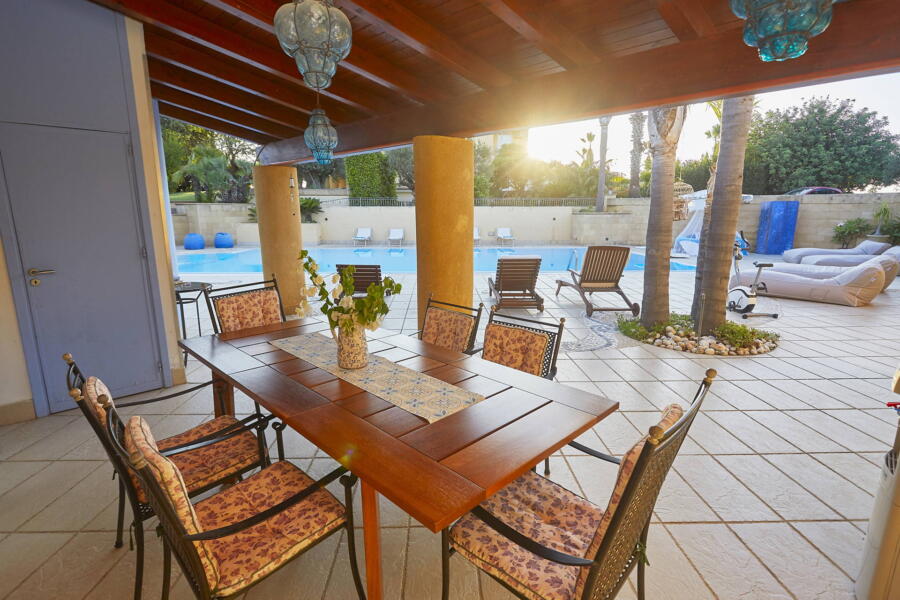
(768, 500)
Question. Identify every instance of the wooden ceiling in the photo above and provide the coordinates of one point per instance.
(463, 67)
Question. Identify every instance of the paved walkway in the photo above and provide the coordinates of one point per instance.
(769, 498)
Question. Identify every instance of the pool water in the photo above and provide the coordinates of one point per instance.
(393, 260)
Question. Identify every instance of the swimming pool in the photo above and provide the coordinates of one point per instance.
(392, 260)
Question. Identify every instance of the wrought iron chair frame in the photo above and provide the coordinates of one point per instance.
(176, 539)
(75, 381)
(657, 442)
(214, 294)
(470, 344)
(554, 331)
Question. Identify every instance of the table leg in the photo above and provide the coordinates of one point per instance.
(372, 540)
(180, 302)
(223, 395)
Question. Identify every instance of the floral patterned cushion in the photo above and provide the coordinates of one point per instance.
(248, 309)
(93, 389)
(517, 348)
(545, 512)
(449, 329)
(247, 556)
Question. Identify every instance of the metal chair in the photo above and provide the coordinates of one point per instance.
(211, 453)
(583, 552)
(453, 328)
(230, 541)
(504, 337)
(245, 305)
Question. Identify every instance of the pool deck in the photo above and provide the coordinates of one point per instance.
(769, 498)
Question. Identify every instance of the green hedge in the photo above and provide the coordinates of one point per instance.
(370, 176)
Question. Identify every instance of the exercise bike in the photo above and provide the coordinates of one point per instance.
(742, 299)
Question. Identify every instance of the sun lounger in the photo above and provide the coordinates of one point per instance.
(600, 272)
(504, 234)
(516, 280)
(395, 236)
(363, 276)
(363, 235)
(477, 237)
(847, 260)
(856, 286)
(890, 265)
(866, 247)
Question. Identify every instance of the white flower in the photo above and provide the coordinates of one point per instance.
(374, 325)
(312, 291)
(313, 266)
(305, 309)
(335, 278)
(346, 302)
(337, 291)
(318, 280)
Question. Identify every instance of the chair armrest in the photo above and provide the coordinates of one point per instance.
(595, 453)
(250, 423)
(269, 512)
(528, 543)
(161, 398)
(576, 276)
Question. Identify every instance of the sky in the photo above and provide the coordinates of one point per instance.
(560, 142)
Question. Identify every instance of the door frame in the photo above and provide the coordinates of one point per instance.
(15, 267)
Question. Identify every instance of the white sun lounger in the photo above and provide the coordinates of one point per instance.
(395, 236)
(363, 235)
(847, 260)
(504, 234)
(477, 237)
(890, 264)
(796, 255)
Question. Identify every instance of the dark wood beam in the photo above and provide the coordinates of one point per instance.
(201, 120)
(177, 97)
(363, 62)
(191, 56)
(687, 19)
(542, 28)
(408, 27)
(271, 59)
(221, 93)
(863, 39)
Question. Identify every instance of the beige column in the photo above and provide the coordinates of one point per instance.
(278, 215)
(445, 216)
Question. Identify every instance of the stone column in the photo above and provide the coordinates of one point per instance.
(445, 215)
(278, 214)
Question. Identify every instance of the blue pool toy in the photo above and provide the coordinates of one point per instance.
(194, 241)
(224, 240)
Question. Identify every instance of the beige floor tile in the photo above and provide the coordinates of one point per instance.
(643, 421)
(596, 478)
(715, 439)
(423, 569)
(22, 553)
(738, 397)
(308, 575)
(857, 469)
(617, 433)
(752, 433)
(678, 503)
(772, 394)
(827, 485)
(23, 435)
(840, 541)
(849, 437)
(78, 506)
(725, 494)
(57, 445)
(14, 473)
(882, 430)
(794, 431)
(30, 497)
(118, 583)
(597, 370)
(725, 563)
(670, 569)
(798, 565)
(836, 394)
(627, 396)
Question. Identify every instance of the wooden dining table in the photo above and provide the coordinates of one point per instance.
(437, 471)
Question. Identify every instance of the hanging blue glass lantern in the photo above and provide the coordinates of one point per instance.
(317, 35)
(321, 137)
(781, 29)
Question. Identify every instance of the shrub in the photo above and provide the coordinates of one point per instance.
(309, 207)
(892, 228)
(848, 232)
(370, 176)
(734, 334)
(741, 336)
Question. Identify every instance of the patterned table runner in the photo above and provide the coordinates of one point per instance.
(420, 394)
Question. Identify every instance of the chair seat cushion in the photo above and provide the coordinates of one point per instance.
(247, 556)
(207, 465)
(545, 512)
(522, 349)
(599, 286)
(248, 309)
(449, 329)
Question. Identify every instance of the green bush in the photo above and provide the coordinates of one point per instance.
(741, 336)
(309, 208)
(892, 228)
(735, 334)
(848, 232)
(370, 176)
(631, 326)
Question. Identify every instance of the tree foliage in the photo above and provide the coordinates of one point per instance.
(694, 172)
(483, 170)
(401, 161)
(318, 176)
(823, 142)
(370, 176)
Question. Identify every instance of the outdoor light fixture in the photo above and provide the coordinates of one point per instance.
(317, 35)
(781, 29)
(320, 137)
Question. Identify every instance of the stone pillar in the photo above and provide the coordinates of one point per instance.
(445, 215)
(278, 214)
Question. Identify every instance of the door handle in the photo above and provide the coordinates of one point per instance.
(34, 272)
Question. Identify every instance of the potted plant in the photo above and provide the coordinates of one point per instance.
(882, 218)
(309, 208)
(348, 316)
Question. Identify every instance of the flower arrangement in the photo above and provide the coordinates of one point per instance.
(345, 312)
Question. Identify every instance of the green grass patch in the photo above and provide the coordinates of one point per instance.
(182, 197)
(734, 334)
(741, 336)
(631, 326)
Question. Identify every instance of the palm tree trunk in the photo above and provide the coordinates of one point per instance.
(665, 128)
(637, 149)
(600, 204)
(724, 210)
(702, 249)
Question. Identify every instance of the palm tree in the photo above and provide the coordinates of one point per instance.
(665, 126)
(601, 178)
(637, 149)
(717, 243)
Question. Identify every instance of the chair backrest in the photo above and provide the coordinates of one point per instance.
(395, 234)
(450, 326)
(642, 472)
(604, 264)
(872, 247)
(363, 276)
(504, 232)
(518, 272)
(524, 344)
(245, 305)
(363, 232)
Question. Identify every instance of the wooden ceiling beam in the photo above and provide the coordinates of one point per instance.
(196, 84)
(856, 44)
(408, 27)
(201, 120)
(361, 61)
(541, 27)
(687, 19)
(194, 27)
(177, 97)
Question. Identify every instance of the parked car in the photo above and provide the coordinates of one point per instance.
(804, 191)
